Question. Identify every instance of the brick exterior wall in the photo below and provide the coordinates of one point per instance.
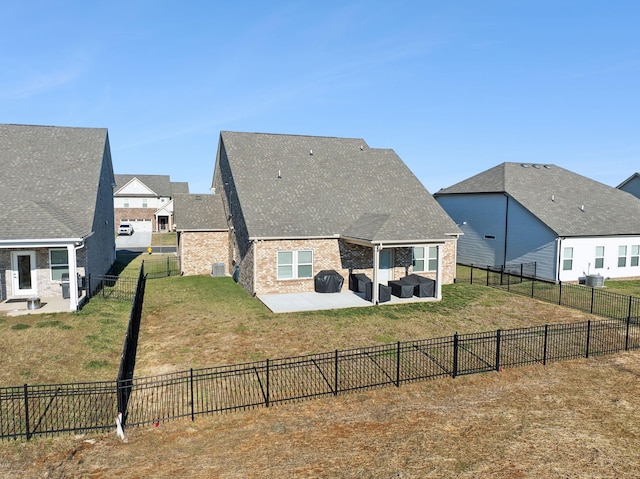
(199, 250)
(327, 254)
(337, 255)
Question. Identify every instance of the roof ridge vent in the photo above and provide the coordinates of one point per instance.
(524, 165)
(537, 167)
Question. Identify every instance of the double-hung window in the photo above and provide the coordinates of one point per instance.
(567, 259)
(295, 264)
(635, 255)
(622, 256)
(59, 263)
(425, 258)
(599, 263)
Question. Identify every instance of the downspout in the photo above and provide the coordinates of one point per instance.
(559, 257)
(255, 272)
(440, 252)
(506, 231)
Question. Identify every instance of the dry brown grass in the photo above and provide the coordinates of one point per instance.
(203, 321)
(575, 419)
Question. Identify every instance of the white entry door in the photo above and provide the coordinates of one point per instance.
(23, 273)
(385, 266)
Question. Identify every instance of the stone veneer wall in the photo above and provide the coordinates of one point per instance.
(199, 250)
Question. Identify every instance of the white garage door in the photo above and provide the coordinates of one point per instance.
(141, 225)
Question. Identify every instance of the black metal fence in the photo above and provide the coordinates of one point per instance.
(49, 409)
(120, 288)
(584, 298)
(130, 345)
(161, 267)
(36, 410)
(263, 383)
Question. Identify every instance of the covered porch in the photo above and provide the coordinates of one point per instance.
(45, 305)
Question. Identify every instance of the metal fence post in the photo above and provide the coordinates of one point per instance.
(168, 270)
(398, 365)
(533, 282)
(455, 355)
(560, 293)
(501, 274)
(546, 340)
(498, 335)
(521, 268)
(626, 339)
(26, 412)
(487, 275)
(471, 277)
(266, 398)
(335, 387)
(193, 399)
(588, 337)
(592, 296)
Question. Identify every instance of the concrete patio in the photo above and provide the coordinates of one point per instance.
(295, 302)
(19, 306)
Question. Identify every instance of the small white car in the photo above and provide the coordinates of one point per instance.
(125, 229)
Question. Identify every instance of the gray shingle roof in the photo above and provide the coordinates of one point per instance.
(309, 186)
(199, 213)
(49, 181)
(159, 184)
(179, 187)
(556, 196)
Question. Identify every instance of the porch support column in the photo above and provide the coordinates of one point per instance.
(376, 266)
(439, 250)
(73, 278)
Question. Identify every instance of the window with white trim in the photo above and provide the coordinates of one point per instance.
(432, 262)
(144, 203)
(599, 263)
(567, 259)
(635, 255)
(622, 256)
(418, 259)
(295, 264)
(58, 263)
(125, 203)
(425, 259)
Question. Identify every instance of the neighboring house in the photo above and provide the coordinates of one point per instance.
(203, 234)
(297, 205)
(146, 201)
(631, 185)
(56, 192)
(569, 225)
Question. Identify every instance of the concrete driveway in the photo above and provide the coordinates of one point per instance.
(139, 239)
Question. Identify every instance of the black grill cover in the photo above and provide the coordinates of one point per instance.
(328, 281)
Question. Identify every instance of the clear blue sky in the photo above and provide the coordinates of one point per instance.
(454, 87)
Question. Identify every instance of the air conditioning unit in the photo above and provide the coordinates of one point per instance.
(217, 269)
(594, 280)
